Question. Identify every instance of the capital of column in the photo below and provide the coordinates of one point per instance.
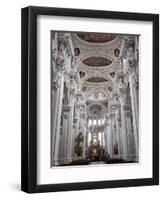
(128, 112)
(126, 106)
(127, 109)
(66, 110)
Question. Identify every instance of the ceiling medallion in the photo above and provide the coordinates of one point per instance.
(81, 74)
(116, 52)
(77, 51)
(112, 74)
(109, 89)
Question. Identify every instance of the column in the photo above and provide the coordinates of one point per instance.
(135, 110)
(63, 139)
(130, 135)
(107, 136)
(122, 90)
(65, 142)
(84, 134)
(109, 130)
(60, 65)
(124, 131)
(118, 131)
(70, 139)
(75, 131)
(57, 96)
(114, 129)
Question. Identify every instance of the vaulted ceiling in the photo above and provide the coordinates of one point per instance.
(97, 63)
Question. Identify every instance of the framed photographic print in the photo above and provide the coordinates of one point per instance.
(90, 99)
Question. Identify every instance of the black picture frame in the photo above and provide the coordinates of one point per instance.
(29, 99)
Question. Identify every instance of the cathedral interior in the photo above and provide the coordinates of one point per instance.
(94, 98)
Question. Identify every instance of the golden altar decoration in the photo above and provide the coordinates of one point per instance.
(78, 144)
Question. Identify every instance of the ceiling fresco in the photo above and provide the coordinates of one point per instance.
(96, 37)
(97, 61)
(97, 80)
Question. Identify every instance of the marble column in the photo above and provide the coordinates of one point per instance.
(60, 65)
(70, 141)
(130, 135)
(114, 128)
(63, 136)
(135, 110)
(119, 131)
(75, 131)
(57, 96)
(65, 142)
(107, 135)
(84, 134)
(124, 131)
(122, 91)
(110, 132)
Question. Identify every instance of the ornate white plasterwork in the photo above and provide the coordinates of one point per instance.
(99, 112)
(89, 49)
(97, 89)
(105, 53)
(97, 73)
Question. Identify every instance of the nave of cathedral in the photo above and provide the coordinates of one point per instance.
(94, 98)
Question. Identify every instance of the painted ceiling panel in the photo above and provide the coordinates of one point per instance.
(97, 61)
(96, 37)
(96, 80)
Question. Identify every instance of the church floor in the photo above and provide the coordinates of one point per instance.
(86, 162)
(97, 162)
